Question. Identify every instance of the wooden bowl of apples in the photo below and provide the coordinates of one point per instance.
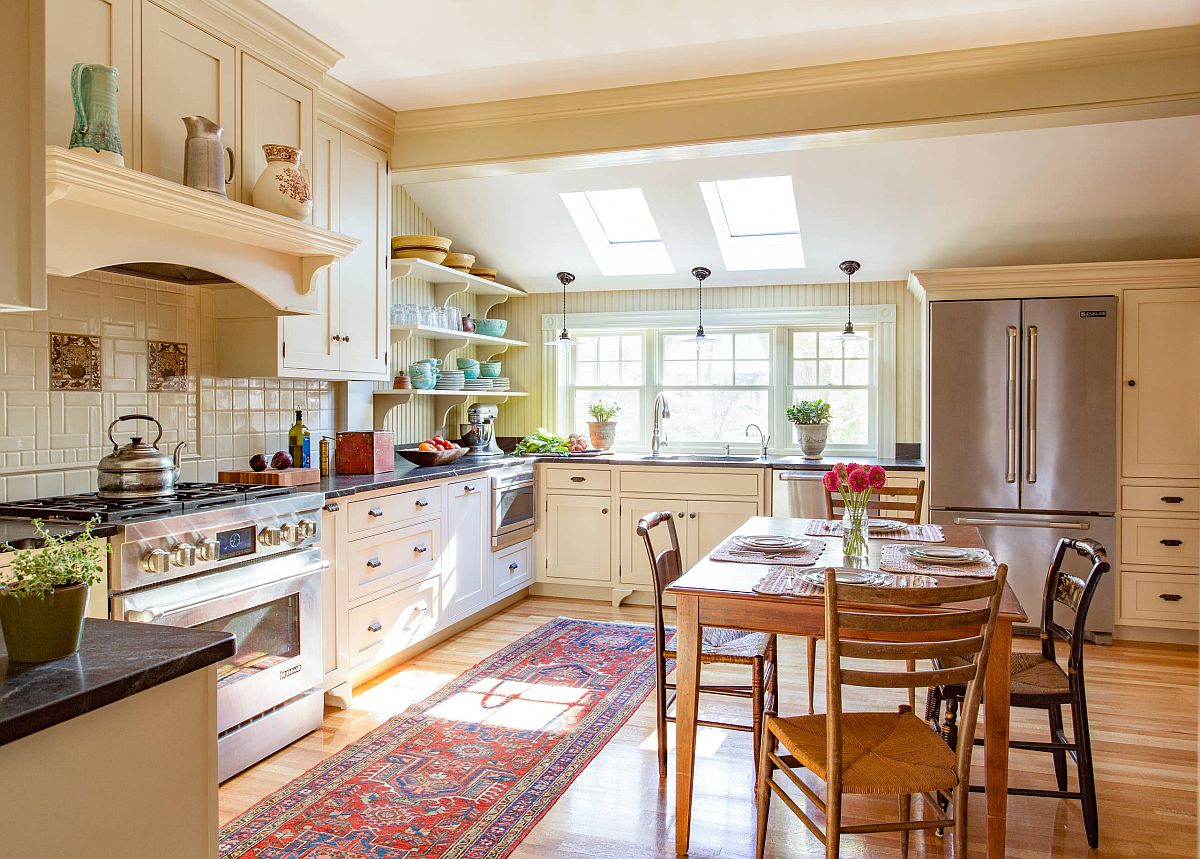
(434, 451)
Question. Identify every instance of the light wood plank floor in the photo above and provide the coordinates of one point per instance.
(1143, 702)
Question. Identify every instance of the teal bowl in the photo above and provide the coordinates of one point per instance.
(467, 363)
(489, 369)
(423, 383)
(491, 327)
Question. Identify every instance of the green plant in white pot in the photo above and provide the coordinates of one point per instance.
(602, 429)
(811, 420)
(44, 597)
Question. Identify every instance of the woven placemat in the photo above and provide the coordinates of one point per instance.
(909, 534)
(804, 556)
(785, 581)
(895, 561)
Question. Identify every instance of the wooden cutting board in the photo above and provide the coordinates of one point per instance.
(271, 477)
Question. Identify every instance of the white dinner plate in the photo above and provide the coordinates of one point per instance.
(944, 554)
(844, 576)
(767, 542)
(885, 525)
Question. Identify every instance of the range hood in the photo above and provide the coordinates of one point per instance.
(99, 216)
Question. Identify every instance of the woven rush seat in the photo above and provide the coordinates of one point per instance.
(726, 645)
(1032, 674)
(882, 753)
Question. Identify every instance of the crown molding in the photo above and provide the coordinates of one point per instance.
(345, 107)
(934, 283)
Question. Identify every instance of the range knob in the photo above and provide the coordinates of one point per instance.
(184, 555)
(290, 532)
(308, 528)
(208, 549)
(157, 561)
(269, 536)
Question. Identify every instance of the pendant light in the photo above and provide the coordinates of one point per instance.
(700, 273)
(564, 338)
(850, 267)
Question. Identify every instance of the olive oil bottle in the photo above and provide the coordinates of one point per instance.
(299, 443)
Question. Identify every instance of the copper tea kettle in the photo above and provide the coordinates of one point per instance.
(137, 469)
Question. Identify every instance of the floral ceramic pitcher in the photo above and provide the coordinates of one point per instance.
(284, 187)
(94, 92)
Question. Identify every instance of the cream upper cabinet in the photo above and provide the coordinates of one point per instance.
(1161, 407)
(275, 109)
(578, 535)
(710, 522)
(89, 31)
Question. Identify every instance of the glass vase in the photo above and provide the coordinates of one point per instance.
(854, 534)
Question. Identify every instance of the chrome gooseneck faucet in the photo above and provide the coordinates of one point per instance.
(661, 410)
(763, 438)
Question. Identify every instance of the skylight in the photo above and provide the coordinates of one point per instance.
(619, 231)
(755, 222)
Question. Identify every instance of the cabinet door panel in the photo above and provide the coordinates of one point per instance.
(362, 277)
(387, 625)
(1161, 410)
(579, 538)
(710, 522)
(275, 109)
(185, 71)
(512, 569)
(635, 563)
(309, 339)
(465, 587)
(89, 31)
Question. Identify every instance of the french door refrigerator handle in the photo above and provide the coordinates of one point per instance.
(1021, 523)
(1031, 416)
(1010, 473)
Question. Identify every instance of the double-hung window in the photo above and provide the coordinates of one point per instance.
(609, 366)
(715, 389)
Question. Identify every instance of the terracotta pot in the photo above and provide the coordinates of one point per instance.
(812, 439)
(603, 434)
(40, 629)
(284, 187)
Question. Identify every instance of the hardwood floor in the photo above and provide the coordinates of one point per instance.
(1143, 702)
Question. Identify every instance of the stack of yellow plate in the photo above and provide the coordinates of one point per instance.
(484, 272)
(459, 262)
(429, 248)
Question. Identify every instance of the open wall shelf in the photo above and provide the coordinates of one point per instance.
(444, 401)
(448, 283)
(446, 341)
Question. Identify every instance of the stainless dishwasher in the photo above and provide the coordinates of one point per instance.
(798, 494)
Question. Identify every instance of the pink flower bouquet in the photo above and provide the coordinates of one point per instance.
(855, 484)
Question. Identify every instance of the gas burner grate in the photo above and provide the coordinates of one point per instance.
(187, 497)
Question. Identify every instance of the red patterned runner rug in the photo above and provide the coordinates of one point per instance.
(469, 771)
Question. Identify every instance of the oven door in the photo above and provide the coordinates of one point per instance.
(273, 607)
(513, 511)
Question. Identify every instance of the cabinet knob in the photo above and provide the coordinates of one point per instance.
(420, 549)
(1171, 543)
(332, 507)
(1131, 383)
(691, 515)
(374, 563)
(422, 502)
(1171, 499)
(680, 515)
(345, 338)
(375, 512)
(468, 488)
(514, 566)
(375, 626)
(1170, 597)
(604, 510)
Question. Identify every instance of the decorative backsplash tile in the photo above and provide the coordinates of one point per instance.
(168, 366)
(74, 362)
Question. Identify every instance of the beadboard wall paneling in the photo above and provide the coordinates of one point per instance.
(525, 366)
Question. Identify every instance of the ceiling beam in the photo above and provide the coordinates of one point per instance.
(1114, 77)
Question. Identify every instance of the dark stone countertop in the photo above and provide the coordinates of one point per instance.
(340, 485)
(20, 534)
(115, 661)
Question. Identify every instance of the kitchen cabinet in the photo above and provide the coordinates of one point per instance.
(710, 522)
(1161, 390)
(275, 109)
(333, 607)
(185, 71)
(700, 526)
(578, 538)
(512, 569)
(385, 626)
(465, 567)
(392, 559)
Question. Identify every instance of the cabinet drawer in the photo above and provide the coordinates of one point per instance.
(386, 560)
(389, 624)
(1160, 596)
(512, 569)
(391, 510)
(1171, 542)
(1161, 499)
(693, 484)
(579, 478)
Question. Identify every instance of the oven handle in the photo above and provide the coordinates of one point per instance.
(157, 613)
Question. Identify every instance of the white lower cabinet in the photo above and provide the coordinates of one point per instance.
(699, 525)
(465, 572)
(512, 569)
(385, 626)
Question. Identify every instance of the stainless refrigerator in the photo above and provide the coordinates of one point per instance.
(1023, 432)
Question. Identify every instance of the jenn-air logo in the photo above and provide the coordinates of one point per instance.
(288, 672)
(1092, 314)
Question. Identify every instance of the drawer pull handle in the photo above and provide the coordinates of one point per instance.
(1172, 499)
(374, 563)
(604, 510)
(375, 626)
(375, 512)
(691, 515)
(680, 515)
(468, 488)
(578, 479)
(332, 507)
(420, 549)
(421, 502)
(514, 566)
(1170, 597)
(1171, 543)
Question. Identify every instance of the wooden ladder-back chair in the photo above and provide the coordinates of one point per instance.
(885, 753)
(730, 646)
(902, 503)
(1039, 682)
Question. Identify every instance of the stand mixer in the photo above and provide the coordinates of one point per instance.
(480, 430)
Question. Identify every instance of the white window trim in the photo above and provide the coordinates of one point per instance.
(879, 319)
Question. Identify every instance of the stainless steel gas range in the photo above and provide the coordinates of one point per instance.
(245, 560)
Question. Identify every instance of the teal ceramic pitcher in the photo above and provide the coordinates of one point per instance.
(94, 91)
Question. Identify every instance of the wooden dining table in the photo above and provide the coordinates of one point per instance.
(721, 594)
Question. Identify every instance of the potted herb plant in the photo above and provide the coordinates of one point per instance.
(42, 600)
(811, 419)
(602, 428)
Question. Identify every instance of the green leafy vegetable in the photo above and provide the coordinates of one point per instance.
(542, 440)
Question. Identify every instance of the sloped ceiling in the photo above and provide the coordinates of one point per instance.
(1076, 194)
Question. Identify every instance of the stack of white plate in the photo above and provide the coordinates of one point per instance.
(944, 555)
(450, 380)
(500, 383)
(885, 526)
(477, 385)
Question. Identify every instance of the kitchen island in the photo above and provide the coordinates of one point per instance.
(112, 752)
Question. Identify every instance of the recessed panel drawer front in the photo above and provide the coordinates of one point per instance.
(1161, 499)
(1170, 542)
(384, 561)
(389, 624)
(512, 569)
(392, 510)
(1160, 597)
(693, 484)
(599, 479)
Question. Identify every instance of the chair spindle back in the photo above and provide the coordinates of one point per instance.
(1075, 593)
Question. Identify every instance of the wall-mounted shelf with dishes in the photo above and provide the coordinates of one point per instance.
(446, 341)
(444, 401)
(449, 282)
